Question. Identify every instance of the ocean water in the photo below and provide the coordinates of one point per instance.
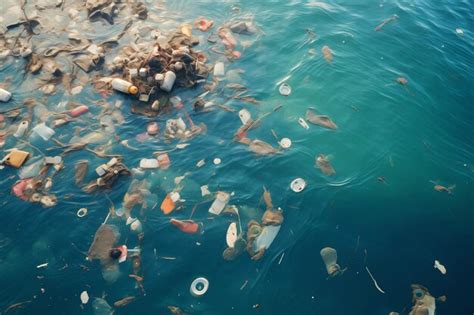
(408, 134)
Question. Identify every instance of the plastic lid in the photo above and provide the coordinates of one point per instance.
(81, 212)
(285, 143)
(217, 161)
(298, 185)
(133, 90)
(285, 89)
(199, 287)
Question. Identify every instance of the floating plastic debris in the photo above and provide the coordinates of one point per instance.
(231, 235)
(285, 143)
(42, 266)
(82, 212)
(199, 287)
(460, 31)
(84, 297)
(284, 89)
(303, 123)
(298, 185)
(217, 161)
(440, 267)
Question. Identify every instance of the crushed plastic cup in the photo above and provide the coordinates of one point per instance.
(297, 185)
(43, 131)
(222, 198)
(199, 287)
(244, 116)
(284, 89)
(329, 256)
(285, 143)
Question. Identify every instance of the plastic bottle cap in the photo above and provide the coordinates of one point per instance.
(82, 212)
(285, 143)
(298, 185)
(133, 90)
(285, 89)
(199, 287)
(217, 161)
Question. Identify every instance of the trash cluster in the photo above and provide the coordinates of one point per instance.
(148, 67)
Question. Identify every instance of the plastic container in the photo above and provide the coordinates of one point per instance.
(219, 69)
(222, 198)
(168, 81)
(79, 110)
(124, 86)
(149, 163)
(285, 89)
(298, 185)
(5, 96)
(199, 287)
(22, 128)
(43, 131)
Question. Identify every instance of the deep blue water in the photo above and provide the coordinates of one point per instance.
(410, 135)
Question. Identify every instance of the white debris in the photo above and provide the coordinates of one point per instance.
(440, 267)
(84, 297)
(42, 266)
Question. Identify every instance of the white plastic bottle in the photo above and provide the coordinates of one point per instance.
(124, 86)
(22, 128)
(168, 81)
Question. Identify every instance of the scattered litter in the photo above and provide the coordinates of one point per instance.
(169, 203)
(219, 69)
(76, 90)
(375, 282)
(285, 89)
(298, 184)
(217, 161)
(244, 285)
(84, 297)
(199, 287)
(16, 158)
(82, 212)
(440, 267)
(42, 266)
(460, 31)
(303, 123)
(124, 86)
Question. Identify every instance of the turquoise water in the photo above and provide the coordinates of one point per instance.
(409, 135)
